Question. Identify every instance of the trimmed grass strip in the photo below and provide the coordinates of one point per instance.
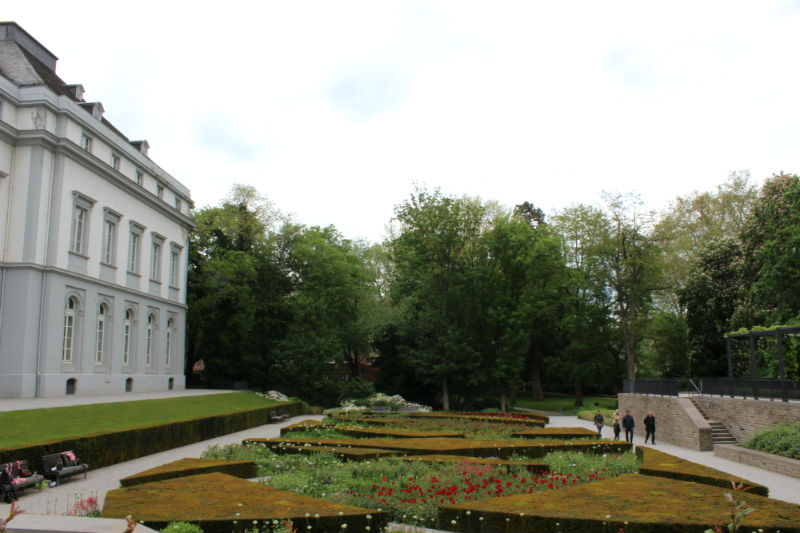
(661, 464)
(630, 502)
(219, 503)
(192, 467)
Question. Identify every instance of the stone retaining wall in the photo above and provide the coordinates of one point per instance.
(677, 420)
(767, 461)
(744, 417)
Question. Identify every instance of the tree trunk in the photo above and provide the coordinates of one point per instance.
(535, 359)
(445, 395)
(577, 379)
(503, 402)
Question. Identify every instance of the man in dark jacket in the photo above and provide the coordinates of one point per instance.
(650, 428)
(599, 421)
(627, 424)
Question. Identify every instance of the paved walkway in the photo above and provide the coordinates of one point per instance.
(780, 487)
(60, 499)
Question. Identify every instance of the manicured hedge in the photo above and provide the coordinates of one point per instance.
(345, 453)
(192, 467)
(631, 502)
(469, 447)
(440, 458)
(557, 433)
(658, 463)
(220, 503)
(112, 447)
(303, 425)
(531, 420)
(396, 433)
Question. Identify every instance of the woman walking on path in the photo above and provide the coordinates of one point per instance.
(616, 419)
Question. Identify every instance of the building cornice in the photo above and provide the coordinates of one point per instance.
(63, 105)
(89, 279)
(76, 153)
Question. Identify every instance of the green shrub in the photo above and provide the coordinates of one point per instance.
(584, 464)
(781, 440)
(182, 527)
(356, 389)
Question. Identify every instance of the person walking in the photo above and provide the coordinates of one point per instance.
(650, 428)
(616, 420)
(627, 424)
(598, 421)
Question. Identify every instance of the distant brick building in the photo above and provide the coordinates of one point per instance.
(93, 242)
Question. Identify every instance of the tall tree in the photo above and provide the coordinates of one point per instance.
(433, 251)
(631, 255)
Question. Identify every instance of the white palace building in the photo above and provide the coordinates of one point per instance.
(93, 242)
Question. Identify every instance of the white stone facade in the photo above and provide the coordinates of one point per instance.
(93, 242)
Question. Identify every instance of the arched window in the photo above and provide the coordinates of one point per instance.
(170, 336)
(69, 329)
(127, 333)
(100, 334)
(148, 347)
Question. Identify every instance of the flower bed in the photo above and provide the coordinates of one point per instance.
(219, 503)
(557, 433)
(191, 467)
(473, 448)
(303, 425)
(469, 427)
(440, 458)
(342, 452)
(386, 432)
(631, 502)
(658, 463)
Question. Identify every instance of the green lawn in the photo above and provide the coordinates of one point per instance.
(38, 425)
(566, 404)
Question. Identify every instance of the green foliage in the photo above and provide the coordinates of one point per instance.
(55, 423)
(182, 527)
(356, 388)
(565, 405)
(112, 447)
(780, 440)
(586, 464)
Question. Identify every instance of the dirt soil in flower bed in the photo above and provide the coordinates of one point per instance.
(557, 433)
(439, 458)
(631, 502)
(342, 452)
(191, 467)
(220, 503)
(658, 463)
(474, 448)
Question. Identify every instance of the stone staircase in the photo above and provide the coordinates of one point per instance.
(719, 433)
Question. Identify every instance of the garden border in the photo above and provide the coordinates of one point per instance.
(112, 447)
(766, 461)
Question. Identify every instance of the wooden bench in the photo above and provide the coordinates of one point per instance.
(58, 466)
(278, 414)
(13, 479)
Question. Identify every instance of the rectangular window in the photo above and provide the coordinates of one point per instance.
(155, 262)
(86, 143)
(160, 192)
(139, 178)
(79, 229)
(178, 203)
(133, 254)
(109, 242)
(173, 268)
(115, 161)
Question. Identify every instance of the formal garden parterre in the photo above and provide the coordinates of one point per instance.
(529, 482)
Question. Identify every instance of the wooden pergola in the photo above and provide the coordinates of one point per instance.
(778, 332)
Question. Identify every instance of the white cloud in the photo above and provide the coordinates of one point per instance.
(334, 109)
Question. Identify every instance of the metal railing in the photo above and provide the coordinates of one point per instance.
(656, 387)
(773, 389)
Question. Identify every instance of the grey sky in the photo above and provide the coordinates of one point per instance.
(335, 109)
